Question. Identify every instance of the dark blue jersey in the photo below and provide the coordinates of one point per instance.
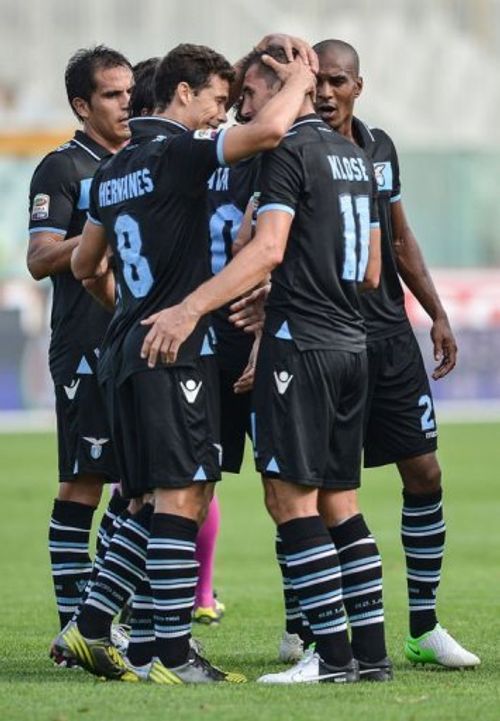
(383, 308)
(328, 185)
(59, 200)
(151, 198)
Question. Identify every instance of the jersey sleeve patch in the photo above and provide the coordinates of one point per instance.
(40, 208)
(384, 175)
(207, 134)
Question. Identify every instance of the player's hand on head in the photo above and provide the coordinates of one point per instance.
(445, 347)
(296, 70)
(289, 43)
(169, 329)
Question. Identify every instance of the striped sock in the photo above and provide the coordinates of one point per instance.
(69, 554)
(173, 574)
(295, 621)
(124, 567)
(423, 533)
(141, 648)
(313, 569)
(361, 587)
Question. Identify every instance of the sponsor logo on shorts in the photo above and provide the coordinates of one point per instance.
(72, 388)
(96, 446)
(40, 209)
(283, 380)
(190, 389)
(431, 434)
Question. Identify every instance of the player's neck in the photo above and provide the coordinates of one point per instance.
(111, 147)
(347, 129)
(178, 115)
(307, 107)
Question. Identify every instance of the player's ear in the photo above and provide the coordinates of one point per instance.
(184, 92)
(81, 108)
(359, 87)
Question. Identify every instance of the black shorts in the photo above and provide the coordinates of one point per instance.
(83, 431)
(235, 421)
(399, 415)
(165, 426)
(307, 423)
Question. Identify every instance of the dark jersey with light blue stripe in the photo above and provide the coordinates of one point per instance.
(328, 184)
(383, 308)
(59, 200)
(229, 190)
(151, 198)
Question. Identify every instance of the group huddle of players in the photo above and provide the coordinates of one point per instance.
(150, 222)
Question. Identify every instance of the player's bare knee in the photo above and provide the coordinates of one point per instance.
(84, 489)
(285, 501)
(335, 507)
(421, 475)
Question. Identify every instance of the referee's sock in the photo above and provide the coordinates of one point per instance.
(71, 565)
(123, 569)
(314, 571)
(173, 573)
(361, 587)
(423, 532)
(295, 622)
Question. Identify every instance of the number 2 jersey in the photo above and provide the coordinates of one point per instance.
(59, 200)
(151, 199)
(328, 185)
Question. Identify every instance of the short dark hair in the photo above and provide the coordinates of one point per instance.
(81, 69)
(341, 46)
(143, 92)
(192, 64)
(255, 58)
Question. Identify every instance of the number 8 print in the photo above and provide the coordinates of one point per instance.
(136, 270)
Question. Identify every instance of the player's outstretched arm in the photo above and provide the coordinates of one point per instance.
(414, 272)
(171, 327)
(49, 254)
(271, 123)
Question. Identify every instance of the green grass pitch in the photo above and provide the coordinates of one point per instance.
(248, 582)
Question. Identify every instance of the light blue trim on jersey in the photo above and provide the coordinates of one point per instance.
(253, 431)
(283, 332)
(84, 199)
(273, 466)
(395, 198)
(46, 229)
(276, 206)
(93, 220)
(83, 368)
(200, 475)
(375, 225)
(206, 348)
(220, 147)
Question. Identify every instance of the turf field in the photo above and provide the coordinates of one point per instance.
(247, 581)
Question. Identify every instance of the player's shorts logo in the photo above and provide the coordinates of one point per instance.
(96, 446)
(72, 388)
(383, 175)
(283, 380)
(40, 209)
(190, 389)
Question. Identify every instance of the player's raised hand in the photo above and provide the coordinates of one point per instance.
(294, 71)
(169, 329)
(445, 347)
(289, 43)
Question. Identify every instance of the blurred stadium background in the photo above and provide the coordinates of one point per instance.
(431, 70)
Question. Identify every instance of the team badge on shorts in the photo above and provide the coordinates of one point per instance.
(40, 209)
(96, 446)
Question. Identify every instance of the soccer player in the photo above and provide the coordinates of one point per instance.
(317, 192)
(98, 84)
(400, 425)
(150, 202)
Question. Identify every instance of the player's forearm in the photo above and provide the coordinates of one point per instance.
(414, 272)
(102, 289)
(53, 257)
(248, 269)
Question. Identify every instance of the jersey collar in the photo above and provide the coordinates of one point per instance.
(90, 146)
(362, 134)
(310, 118)
(146, 126)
